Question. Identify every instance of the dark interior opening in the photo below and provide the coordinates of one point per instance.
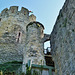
(48, 55)
(0, 19)
(18, 36)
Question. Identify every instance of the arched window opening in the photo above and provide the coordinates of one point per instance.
(47, 47)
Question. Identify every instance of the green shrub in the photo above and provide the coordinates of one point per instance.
(1, 73)
(10, 66)
(28, 70)
(35, 72)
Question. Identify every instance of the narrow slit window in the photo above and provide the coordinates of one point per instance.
(0, 19)
(19, 35)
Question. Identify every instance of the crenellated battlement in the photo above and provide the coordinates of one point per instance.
(32, 18)
(24, 11)
(13, 10)
(4, 12)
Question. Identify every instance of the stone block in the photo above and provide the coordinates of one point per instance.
(24, 11)
(13, 9)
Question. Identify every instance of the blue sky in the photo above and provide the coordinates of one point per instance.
(46, 11)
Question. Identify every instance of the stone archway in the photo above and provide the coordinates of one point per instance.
(47, 51)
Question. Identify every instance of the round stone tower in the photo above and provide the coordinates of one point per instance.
(34, 44)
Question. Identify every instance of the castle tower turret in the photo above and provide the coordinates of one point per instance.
(32, 18)
(34, 44)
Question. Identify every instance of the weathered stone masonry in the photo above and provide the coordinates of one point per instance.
(34, 43)
(13, 33)
(63, 40)
(14, 38)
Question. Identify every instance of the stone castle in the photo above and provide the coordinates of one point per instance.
(22, 38)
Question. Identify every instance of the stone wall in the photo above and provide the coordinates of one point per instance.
(63, 40)
(13, 33)
(21, 37)
(34, 44)
(32, 18)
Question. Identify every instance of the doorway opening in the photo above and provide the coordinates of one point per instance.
(47, 54)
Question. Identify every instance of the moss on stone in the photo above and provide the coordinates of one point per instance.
(38, 24)
(65, 22)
